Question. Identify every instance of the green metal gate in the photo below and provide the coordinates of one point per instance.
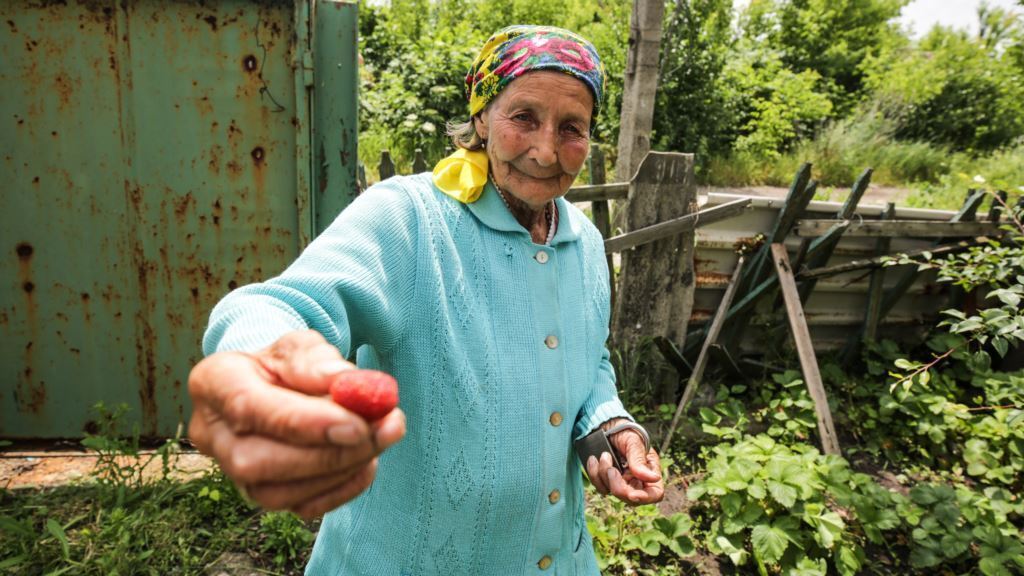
(154, 156)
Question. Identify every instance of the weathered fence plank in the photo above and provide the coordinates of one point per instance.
(601, 213)
(598, 192)
(873, 314)
(899, 228)
(386, 167)
(675, 226)
(805, 349)
(419, 163)
(966, 214)
(702, 360)
(657, 279)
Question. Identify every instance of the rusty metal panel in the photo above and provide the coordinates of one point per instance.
(149, 166)
(837, 305)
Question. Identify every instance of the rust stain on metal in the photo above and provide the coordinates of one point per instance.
(146, 336)
(29, 393)
(713, 279)
(86, 312)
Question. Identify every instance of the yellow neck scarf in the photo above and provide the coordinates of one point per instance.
(462, 175)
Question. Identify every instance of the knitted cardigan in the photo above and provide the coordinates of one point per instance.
(498, 345)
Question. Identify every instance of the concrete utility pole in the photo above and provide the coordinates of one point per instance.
(639, 86)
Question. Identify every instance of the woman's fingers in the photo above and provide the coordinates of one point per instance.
(632, 490)
(235, 388)
(638, 458)
(290, 495)
(303, 361)
(335, 497)
(597, 471)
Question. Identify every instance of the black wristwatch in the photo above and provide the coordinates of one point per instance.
(596, 443)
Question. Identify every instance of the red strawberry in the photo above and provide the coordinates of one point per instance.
(369, 393)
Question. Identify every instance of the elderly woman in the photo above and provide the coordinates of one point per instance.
(485, 294)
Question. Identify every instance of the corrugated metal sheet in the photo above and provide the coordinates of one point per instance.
(155, 156)
(837, 305)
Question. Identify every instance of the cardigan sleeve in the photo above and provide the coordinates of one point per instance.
(602, 403)
(353, 283)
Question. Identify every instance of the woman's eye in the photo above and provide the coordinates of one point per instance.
(574, 130)
(522, 117)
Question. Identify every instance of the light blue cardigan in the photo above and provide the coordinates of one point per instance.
(493, 345)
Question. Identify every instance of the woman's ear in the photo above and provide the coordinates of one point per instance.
(480, 124)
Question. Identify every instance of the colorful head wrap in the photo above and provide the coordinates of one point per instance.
(516, 50)
(507, 55)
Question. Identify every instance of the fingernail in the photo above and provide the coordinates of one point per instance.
(347, 434)
(591, 461)
(331, 367)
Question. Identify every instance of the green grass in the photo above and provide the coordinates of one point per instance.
(162, 528)
(937, 176)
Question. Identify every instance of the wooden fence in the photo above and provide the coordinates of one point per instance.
(653, 292)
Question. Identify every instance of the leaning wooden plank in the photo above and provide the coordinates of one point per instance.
(818, 252)
(898, 228)
(995, 210)
(879, 261)
(675, 226)
(966, 214)
(872, 316)
(795, 204)
(805, 349)
(595, 192)
(702, 359)
(800, 193)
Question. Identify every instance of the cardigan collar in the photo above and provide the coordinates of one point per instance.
(492, 212)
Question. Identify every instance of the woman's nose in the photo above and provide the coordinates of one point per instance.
(545, 148)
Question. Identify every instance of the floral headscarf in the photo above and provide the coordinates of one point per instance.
(516, 50)
(507, 55)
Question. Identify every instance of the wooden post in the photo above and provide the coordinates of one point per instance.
(657, 279)
(419, 163)
(640, 85)
(386, 168)
(601, 213)
(995, 210)
(805, 349)
(873, 315)
(702, 359)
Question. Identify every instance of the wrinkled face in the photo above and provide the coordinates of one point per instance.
(538, 135)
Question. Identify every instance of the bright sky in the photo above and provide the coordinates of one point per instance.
(921, 15)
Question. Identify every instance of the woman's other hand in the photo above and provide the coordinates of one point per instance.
(269, 422)
(641, 483)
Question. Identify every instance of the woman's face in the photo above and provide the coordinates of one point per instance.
(538, 135)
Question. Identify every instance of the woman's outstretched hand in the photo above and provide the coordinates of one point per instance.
(641, 483)
(269, 422)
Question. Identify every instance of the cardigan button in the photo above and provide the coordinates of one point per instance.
(544, 563)
(551, 341)
(542, 257)
(555, 419)
(554, 496)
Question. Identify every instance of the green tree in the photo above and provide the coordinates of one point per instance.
(693, 112)
(951, 89)
(830, 37)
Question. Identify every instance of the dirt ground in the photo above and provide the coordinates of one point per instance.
(45, 468)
